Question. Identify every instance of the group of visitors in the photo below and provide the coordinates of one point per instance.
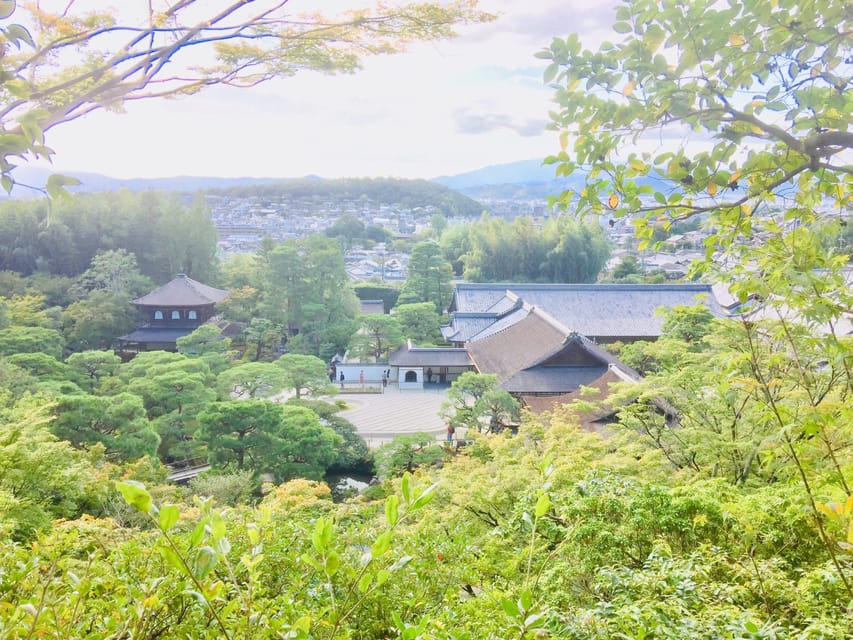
(386, 376)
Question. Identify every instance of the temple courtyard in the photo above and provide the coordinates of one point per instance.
(378, 417)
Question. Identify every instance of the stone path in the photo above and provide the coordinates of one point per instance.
(380, 417)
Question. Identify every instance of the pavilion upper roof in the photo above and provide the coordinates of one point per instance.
(182, 291)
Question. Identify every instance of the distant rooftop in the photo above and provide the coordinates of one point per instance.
(603, 311)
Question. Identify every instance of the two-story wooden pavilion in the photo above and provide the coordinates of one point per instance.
(172, 311)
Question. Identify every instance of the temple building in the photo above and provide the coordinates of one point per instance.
(172, 311)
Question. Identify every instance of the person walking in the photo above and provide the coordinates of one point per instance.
(342, 378)
(361, 377)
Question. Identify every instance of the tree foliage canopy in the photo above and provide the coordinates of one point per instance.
(493, 250)
(761, 91)
(429, 278)
(758, 97)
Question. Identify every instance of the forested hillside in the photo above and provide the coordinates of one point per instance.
(409, 194)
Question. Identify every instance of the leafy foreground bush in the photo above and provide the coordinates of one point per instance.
(555, 533)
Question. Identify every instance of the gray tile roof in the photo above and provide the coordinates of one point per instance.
(538, 355)
(553, 379)
(413, 356)
(182, 291)
(500, 323)
(596, 395)
(517, 347)
(596, 310)
(477, 297)
(465, 325)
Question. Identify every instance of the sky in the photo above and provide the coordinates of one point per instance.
(438, 109)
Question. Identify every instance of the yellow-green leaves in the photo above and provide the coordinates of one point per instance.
(841, 514)
(391, 503)
(7, 8)
(324, 532)
(135, 494)
(542, 505)
(169, 514)
(56, 186)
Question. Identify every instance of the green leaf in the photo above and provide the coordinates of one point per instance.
(311, 562)
(424, 499)
(405, 488)
(364, 582)
(391, 509)
(198, 533)
(510, 608)
(204, 563)
(135, 495)
(18, 33)
(542, 505)
(254, 533)
(526, 600)
(532, 619)
(654, 37)
(171, 557)
(323, 533)
(332, 564)
(169, 514)
(7, 8)
(550, 72)
(56, 184)
(217, 527)
(622, 27)
(381, 544)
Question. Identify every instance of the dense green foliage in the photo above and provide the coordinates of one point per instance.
(349, 229)
(62, 238)
(474, 401)
(429, 278)
(304, 289)
(388, 293)
(493, 250)
(376, 337)
(550, 533)
(419, 322)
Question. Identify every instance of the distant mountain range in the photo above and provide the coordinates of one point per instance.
(91, 182)
(522, 172)
(526, 179)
